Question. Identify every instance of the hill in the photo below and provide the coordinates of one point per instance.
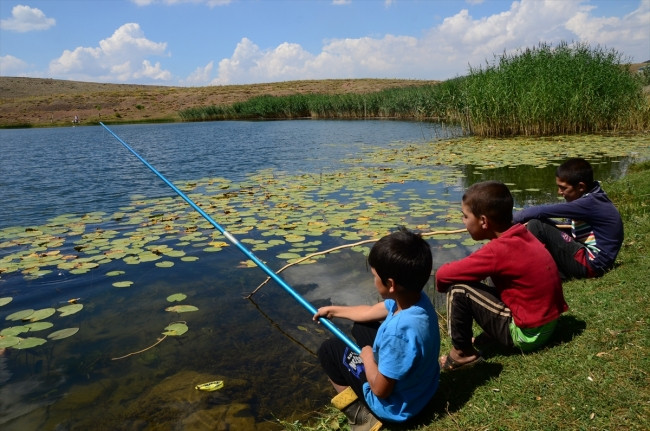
(36, 102)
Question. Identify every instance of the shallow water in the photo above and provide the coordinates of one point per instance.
(119, 369)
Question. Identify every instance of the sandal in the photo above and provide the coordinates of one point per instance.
(453, 365)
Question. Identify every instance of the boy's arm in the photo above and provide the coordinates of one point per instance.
(356, 313)
(577, 210)
(380, 385)
(473, 268)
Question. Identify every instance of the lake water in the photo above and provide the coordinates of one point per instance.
(84, 221)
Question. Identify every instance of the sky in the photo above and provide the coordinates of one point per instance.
(231, 42)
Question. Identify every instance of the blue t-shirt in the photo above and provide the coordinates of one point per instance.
(406, 349)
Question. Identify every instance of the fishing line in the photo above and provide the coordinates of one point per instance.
(326, 322)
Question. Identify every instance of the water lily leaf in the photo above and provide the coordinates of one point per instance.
(176, 329)
(6, 300)
(20, 315)
(67, 310)
(176, 297)
(8, 341)
(41, 314)
(29, 342)
(63, 333)
(14, 330)
(122, 283)
(181, 308)
(39, 326)
(189, 258)
(165, 264)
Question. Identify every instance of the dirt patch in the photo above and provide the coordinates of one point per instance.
(36, 102)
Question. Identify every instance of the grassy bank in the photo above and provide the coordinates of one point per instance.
(541, 91)
(594, 375)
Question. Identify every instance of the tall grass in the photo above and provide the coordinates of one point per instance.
(545, 90)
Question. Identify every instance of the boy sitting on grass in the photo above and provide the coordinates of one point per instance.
(397, 372)
(522, 308)
(596, 225)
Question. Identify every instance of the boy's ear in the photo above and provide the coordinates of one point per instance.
(484, 222)
(390, 284)
(582, 188)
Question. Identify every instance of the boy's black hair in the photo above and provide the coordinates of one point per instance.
(575, 171)
(403, 256)
(491, 199)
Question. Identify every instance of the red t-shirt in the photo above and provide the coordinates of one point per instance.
(523, 272)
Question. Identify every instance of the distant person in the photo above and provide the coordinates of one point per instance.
(397, 373)
(522, 307)
(596, 234)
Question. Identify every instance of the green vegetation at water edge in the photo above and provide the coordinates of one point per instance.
(594, 375)
(540, 91)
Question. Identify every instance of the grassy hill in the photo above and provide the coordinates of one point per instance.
(35, 102)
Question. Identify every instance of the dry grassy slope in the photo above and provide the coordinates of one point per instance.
(52, 102)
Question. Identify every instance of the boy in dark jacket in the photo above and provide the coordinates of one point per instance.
(596, 227)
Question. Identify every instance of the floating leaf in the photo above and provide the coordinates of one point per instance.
(181, 308)
(176, 297)
(41, 314)
(175, 329)
(114, 273)
(6, 300)
(165, 264)
(67, 310)
(63, 333)
(122, 283)
(39, 326)
(20, 315)
(14, 330)
(8, 341)
(29, 342)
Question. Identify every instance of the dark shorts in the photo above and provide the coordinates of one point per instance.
(342, 365)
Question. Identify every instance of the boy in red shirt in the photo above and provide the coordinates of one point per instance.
(522, 308)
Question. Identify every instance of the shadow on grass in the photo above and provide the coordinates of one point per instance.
(455, 390)
(457, 387)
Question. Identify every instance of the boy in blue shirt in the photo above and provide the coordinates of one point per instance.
(596, 227)
(397, 372)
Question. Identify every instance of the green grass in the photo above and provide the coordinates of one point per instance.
(541, 91)
(594, 375)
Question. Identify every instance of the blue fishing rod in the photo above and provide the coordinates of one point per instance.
(326, 322)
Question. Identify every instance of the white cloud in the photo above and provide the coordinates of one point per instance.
(24, 19)
(11, 66)
(444, 51)
(200, 76)
(121, 57)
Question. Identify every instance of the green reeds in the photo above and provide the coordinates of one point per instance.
(540, 91)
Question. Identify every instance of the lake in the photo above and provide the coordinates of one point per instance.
(117, 298)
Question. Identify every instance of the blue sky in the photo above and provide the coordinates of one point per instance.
(221, 42)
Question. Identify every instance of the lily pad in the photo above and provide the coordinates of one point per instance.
(176, 329)
(39, 326)
(176, 297)
(67, 310)
(6, 300)
(41, 314)
(27, 343)
(20, 315)
(165, 264)
(122, 283)
(181, 308)
(63, 333)
(8, 341)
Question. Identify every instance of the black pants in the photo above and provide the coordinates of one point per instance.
(478, 302)
(562, 247)
(341, 364)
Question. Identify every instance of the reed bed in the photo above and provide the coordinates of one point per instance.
(546, 90)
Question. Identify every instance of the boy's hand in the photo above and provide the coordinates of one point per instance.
(325, 312)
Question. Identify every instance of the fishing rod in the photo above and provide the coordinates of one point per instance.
(326, 322)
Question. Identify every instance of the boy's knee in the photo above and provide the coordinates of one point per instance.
(535, 226)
